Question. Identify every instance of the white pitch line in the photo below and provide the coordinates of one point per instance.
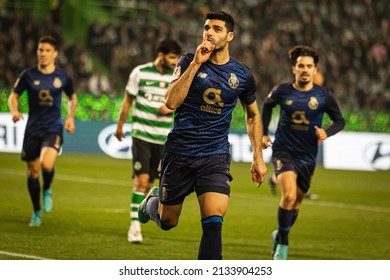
(332, 204)
(24, 256)
(350, 206)
(73, 178)
(91, 180)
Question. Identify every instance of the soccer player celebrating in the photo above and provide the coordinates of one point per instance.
(204, 92)
(299, 131)
(44, 130)
(152, 121)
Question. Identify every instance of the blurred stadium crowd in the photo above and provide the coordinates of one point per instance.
(353, 37)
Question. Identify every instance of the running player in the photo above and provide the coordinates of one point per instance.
(43, 136)
(299, 131)
(205, 90)
(152, 121)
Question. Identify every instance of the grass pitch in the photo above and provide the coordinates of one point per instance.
(91, 193)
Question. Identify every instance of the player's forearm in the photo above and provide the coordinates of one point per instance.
(178, 90)
(336, 127)
(255, 132)
(72, 105)
(13, 103)
(122, 118)
(266, 114)
(125, 109)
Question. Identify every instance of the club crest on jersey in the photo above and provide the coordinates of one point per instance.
(313, 103)
(163, 84)
(233, 81)
(57, 82)
(176, 72)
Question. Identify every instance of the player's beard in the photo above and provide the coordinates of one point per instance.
(220, 47)
(43, 65)
(166, 67)
(303, 83)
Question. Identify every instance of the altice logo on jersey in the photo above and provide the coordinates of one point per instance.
(377, 154)
(212, 96)
(112, 146)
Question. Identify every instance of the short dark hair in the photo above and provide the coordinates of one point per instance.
(298, 51)
(49, 40)
(221, 15)
(169, 45)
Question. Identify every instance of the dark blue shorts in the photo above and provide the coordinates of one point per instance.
(283, 162)
(32, 144)
(182, 175)
(146, 158)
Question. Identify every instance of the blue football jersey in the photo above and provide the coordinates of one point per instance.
(202, 122)
(44, 98)
(300, 112)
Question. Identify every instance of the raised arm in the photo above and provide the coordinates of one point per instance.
(164, 110)
(178, 89)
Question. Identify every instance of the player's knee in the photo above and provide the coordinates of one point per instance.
(46, 167)
(168, 223)
(288, 199)
(166, 226)
(33, 172)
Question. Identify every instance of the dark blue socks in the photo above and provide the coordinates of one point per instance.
(34, 190)
(47, 179)
(285, 221)
(211, 243)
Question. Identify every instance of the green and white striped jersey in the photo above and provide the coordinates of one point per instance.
(147, 86)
